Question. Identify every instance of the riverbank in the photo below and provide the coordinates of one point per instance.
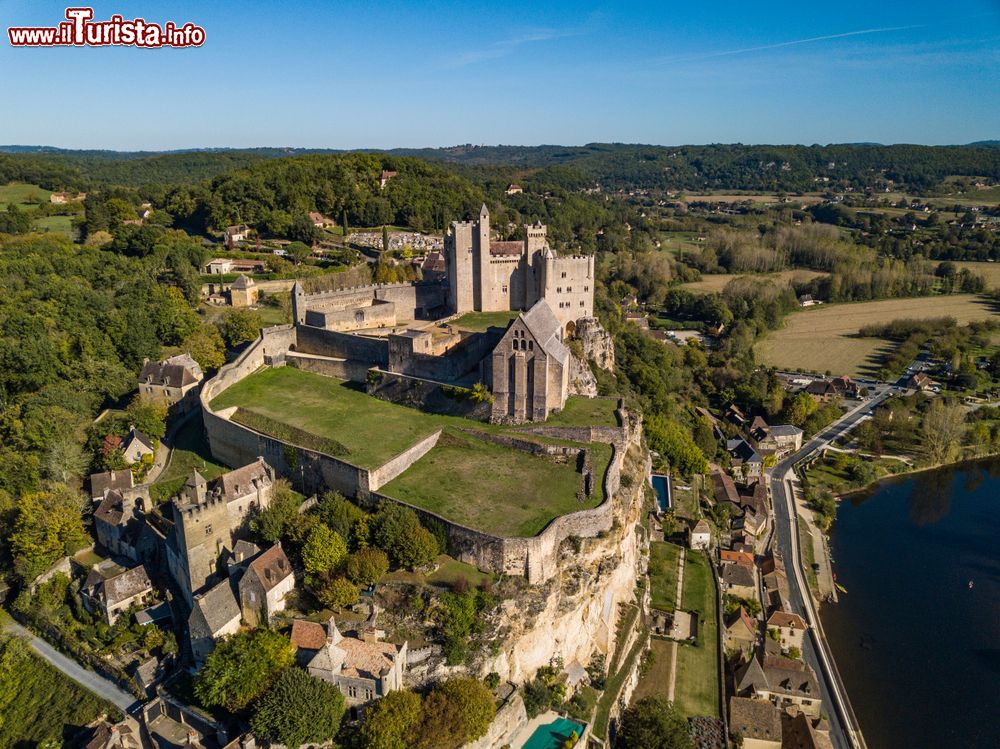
(916, 645)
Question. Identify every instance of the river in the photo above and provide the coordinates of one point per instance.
(918, 649)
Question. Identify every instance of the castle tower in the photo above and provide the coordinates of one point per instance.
(459, 260)
(299, 303)
(195, 488)
(481, 253)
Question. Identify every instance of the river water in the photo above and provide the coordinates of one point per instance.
(918, 649)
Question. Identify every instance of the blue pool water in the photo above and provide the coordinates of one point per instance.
(662, 488)
(552, 735)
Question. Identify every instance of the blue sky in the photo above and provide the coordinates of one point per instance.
(377, 74)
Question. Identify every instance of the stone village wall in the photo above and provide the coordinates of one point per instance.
(535, 558)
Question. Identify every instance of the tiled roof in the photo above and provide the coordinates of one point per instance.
(101, 483)
(786, 619)
(506, 248)
(271, 567)
(308, 635)
(125, 585)
(243, 480)
(111, 508)
(177, 371)
(366, 660)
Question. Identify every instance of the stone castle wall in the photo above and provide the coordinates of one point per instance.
(374, 351)
(342, 369)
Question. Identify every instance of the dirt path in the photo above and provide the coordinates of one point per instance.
(673, 643)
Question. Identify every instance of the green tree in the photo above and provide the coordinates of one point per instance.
(653, 723)
(336, 591)
(241, 668)
(48, 525)
(324, 551)
(367, 566)
(298, 709)
(270, 523)
(391, 722)
(675, 444)
(385, 239)
(206, 347)
(149, 416)
(398, 532)
(298, 252)
(239, 325)
(942, 428)
(342, 515)
(455, 712)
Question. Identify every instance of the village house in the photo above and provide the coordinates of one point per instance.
(739, 580)
(701, 535)
(320, 221)
(102, 483)
(807, 300)
(219, 266)
(136, 445)
(364, 669)
(825, 391)
(782, 439)
(264, 585)
(234, 234)
(724, 489)
(750, 522)
(922, 381)
(757, 722)
(740, 632)
(109, 597)
(513, 189)
(799, 731)
(387, 174)
(790, 627)
(61, 198)
(746, 463)
(215, 614)
(107, 735)
(243, 292)
(174, 381)
(782, 681)
(119, 521)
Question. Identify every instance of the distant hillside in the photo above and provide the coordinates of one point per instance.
(610, 166)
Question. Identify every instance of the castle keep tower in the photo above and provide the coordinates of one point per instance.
(487, 275)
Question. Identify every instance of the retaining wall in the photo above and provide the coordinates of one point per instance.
(342, 369)
(311, 340)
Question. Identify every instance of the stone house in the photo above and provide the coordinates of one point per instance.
(741, 632)
(109, 597)
(758, 722)
(136, 445)
(782, 439)
(746, 463)
(320, 221)
(782, 681)
(234, 234)
(530, 368)
(208, 520)
(791, 629)
(738, 580)
(243, 292)
(119, 520)
(215, 614)
(701, 535)
(364, 669)
(102, 483)
(264, 585)
(174, 380)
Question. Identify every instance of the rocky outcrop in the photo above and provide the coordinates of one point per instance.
(575, 614)
(598, 345)
(581, 379)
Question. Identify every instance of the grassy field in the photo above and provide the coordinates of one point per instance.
(808, 556)
(190, 452)
(714, 283)
(523, 495)
(581, 412)
(18, 193)
(825, 338)
(753, 197)
(480, 321)
(656, 680)
(990, 271)
(56, 224)
(697, 684)
(663, 559)
(449, 571)
(39, 704)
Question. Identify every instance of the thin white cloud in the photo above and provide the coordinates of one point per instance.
(792, 43)
(507, 46)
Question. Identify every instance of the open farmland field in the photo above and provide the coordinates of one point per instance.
(713, 283)
(990, 271)
(752, 197)
(825, 338)
(18, 193)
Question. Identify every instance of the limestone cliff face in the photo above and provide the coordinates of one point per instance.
(581, 379)
(597, 342)
(575, 614)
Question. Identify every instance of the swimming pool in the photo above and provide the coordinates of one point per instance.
(661, 485)
(552, 735)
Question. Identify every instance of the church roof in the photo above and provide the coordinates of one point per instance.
(546, 330)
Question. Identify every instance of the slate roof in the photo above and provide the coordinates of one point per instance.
(543, 325)
(788, 676)
(111, 510)
(102, 483)
(243, 480)
(755, 719)
(124, 585)
(702, 526)
(737, 574)
(217, 606)
(743, 452)
(271, 567)
(135, 435)
(177, 371)
(784, 430)
(242, 282)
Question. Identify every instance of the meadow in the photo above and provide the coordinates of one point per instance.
(714, 283)
(824, 338)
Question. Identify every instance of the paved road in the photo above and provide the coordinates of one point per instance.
(844, 730)
(88, 679)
